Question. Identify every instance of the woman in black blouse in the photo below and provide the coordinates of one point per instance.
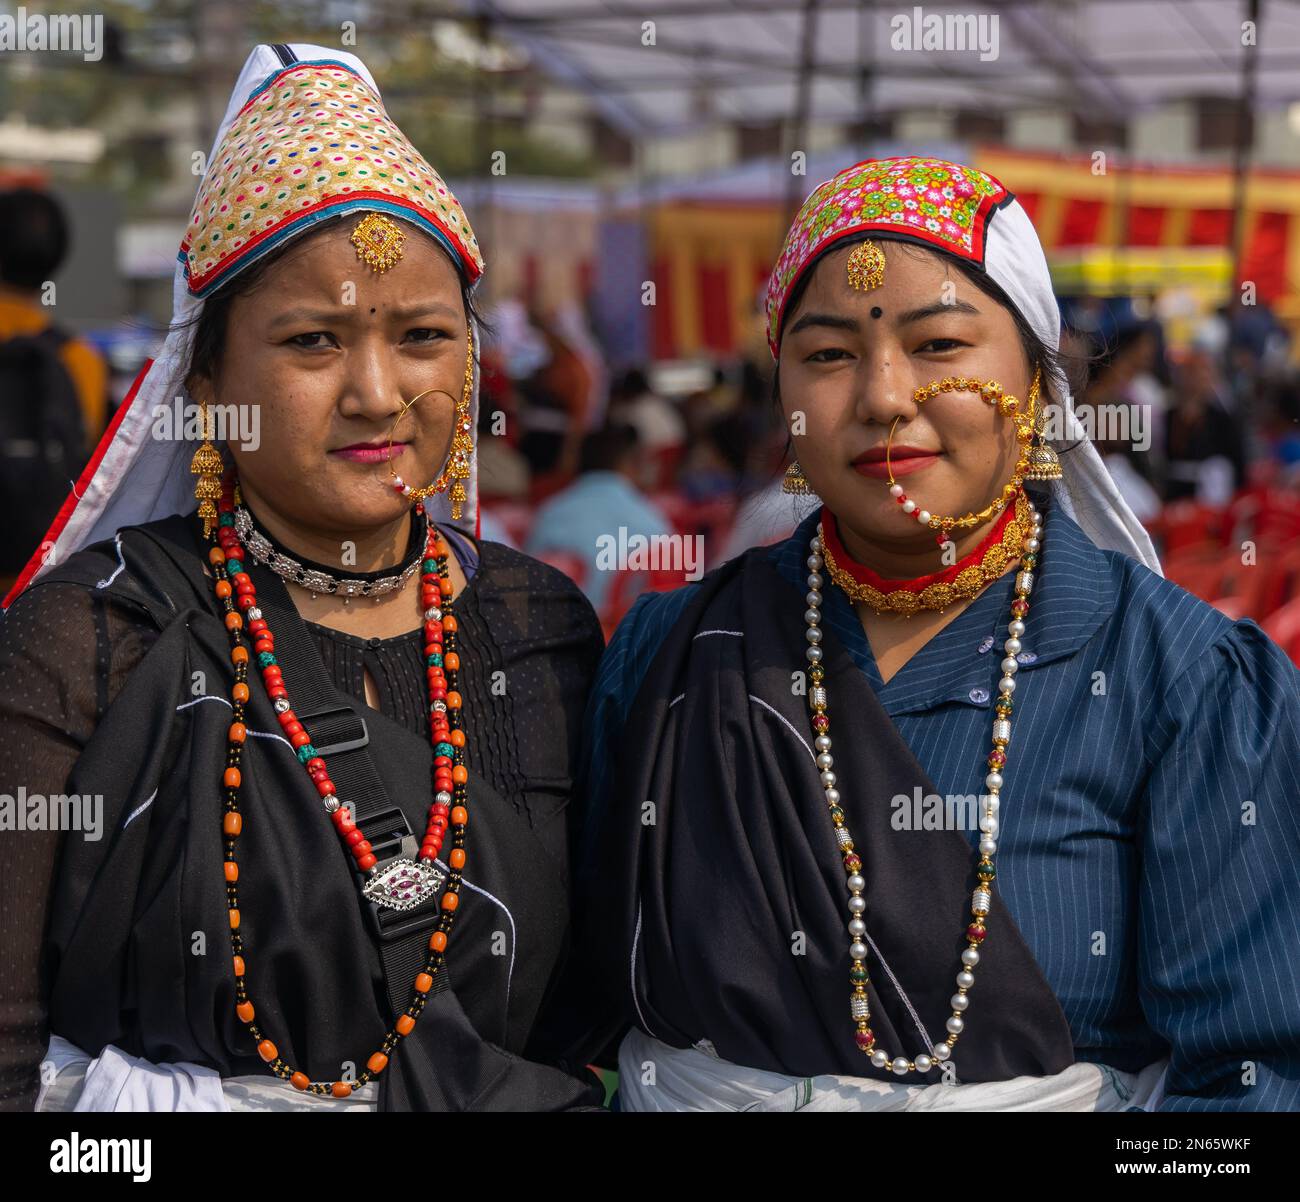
(316, 741)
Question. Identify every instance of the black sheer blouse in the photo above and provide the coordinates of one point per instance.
(529, 647)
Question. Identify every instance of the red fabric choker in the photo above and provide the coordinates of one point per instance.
(864, 575)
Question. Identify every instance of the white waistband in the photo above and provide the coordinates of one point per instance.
(653, 1076)
(117, 1081)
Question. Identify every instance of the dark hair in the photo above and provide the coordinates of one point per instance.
(211, 324)
(1038, 353)
(605, 449)
(33, 237)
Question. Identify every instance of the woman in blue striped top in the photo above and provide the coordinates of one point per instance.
(1003, 823)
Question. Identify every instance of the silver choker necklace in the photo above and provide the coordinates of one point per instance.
(314, 578)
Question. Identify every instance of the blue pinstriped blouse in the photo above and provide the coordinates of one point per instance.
(1150, 825)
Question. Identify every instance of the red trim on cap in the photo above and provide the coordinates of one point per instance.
(73, 499)
(198, 282)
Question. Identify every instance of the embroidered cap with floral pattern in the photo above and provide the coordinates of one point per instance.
(311, 142)
(930, 201)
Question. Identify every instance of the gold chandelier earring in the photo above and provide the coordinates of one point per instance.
(795, 482)
(460, 460)
(1044, 462)
(207, 464)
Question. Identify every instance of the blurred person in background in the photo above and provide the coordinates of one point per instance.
(503, 472)
(1203, 441)
(567, 379)
(660, 427)
(604, 500)
(1124, 407)
(714, 465)
(569, 323)
(1281, 432)
(53, 387)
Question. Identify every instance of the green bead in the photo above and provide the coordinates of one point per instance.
(444, 749)
(429, 565)
(226, 519)
(265, 659)
(234, 565)
(837, 815)
(305, 752)
(433, 660)
(857, 975)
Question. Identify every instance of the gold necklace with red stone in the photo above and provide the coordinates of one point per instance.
(982, 896)
(403, 884)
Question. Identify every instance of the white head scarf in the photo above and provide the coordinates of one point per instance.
(1015, 261)
(134, 477)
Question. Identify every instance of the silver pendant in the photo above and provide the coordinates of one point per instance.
(404, 884)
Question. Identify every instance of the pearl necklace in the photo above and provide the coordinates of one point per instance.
(982, 897)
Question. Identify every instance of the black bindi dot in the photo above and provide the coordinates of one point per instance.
(372, 310)
(877, 311)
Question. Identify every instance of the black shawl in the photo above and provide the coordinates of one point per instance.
(138, 951)
(713, 898)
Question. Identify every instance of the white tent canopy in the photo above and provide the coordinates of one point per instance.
(739, 61)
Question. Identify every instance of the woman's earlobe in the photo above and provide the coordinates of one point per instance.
(199, 388)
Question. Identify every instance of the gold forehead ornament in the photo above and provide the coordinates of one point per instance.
(866, 266)
(378, 241)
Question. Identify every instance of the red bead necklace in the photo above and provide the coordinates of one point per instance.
(403, 883)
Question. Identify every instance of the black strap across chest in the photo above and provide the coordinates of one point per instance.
(349, 743)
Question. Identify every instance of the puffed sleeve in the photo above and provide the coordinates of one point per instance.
(1219, 896)
(65, 651)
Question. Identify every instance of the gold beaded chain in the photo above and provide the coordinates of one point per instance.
(457, 468)
(1008, 405)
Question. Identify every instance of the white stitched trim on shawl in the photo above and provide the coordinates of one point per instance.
(140, 809)
(257, 734)
(786, 721)
(121, 563)
(510, 972)
(636, 939)
(735, 634)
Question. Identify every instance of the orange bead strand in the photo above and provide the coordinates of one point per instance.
(237, 598)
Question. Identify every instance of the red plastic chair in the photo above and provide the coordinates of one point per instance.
(1187, 524)
(1200, 570)
(1283, 627)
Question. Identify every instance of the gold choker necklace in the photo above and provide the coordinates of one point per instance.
(935, 592)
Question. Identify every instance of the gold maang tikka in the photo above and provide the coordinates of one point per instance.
(866, 266)
(457, 469)
(378, 241)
